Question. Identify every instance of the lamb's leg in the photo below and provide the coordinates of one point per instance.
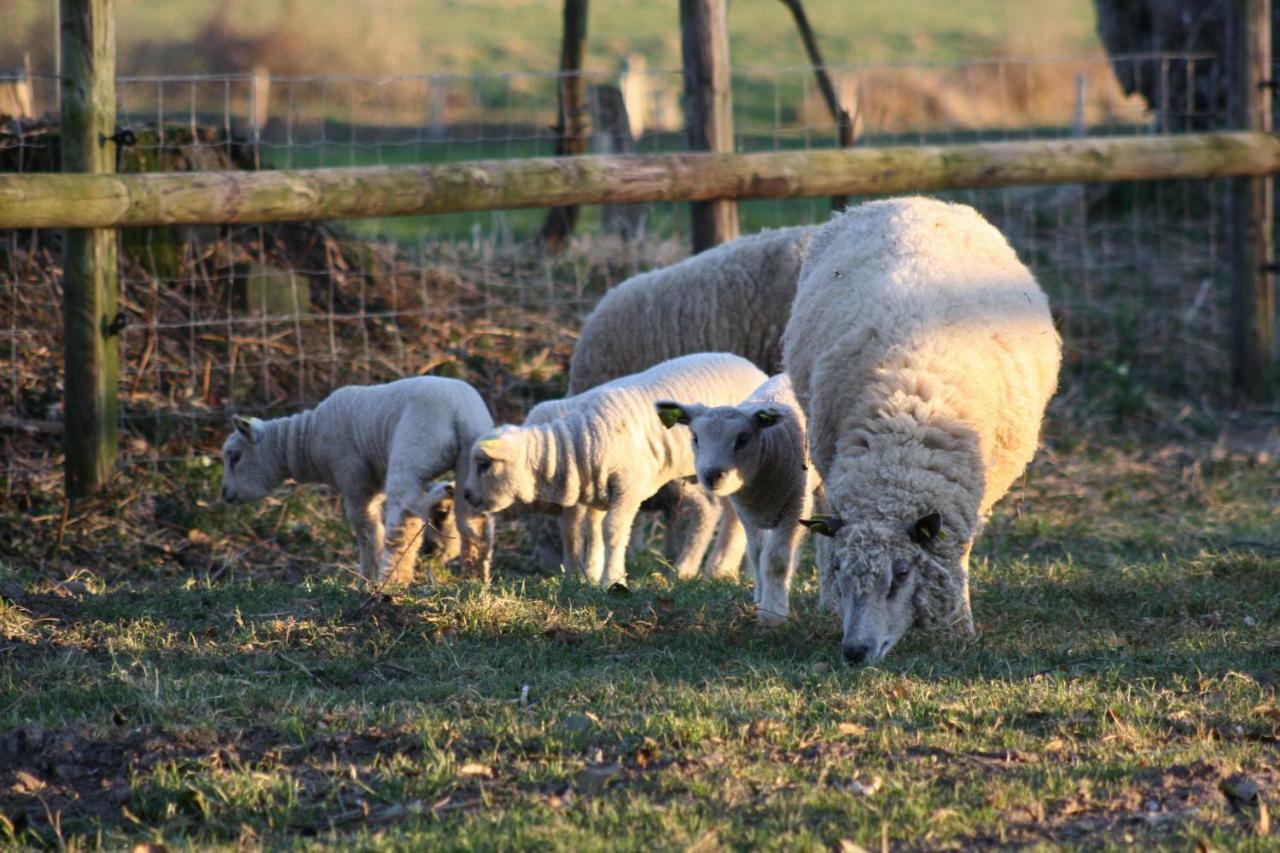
(731, 540)
(754, 540)
(617, 523)
(476, 531)
(964, 618)
(571, 536)
(778, 563)
(403, 539)
(690, 529)
(363, 516)
(594, 545)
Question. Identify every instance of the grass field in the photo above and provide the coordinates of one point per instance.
(176, 671)
(416, 36)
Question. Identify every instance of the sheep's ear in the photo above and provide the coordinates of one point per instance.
(671, 413)
(494, 448)
(767, 417)
(244, 426)
(927, 528)
(448, 488)
(827, 525)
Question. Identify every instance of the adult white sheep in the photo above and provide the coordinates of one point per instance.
(600, 459)
(755, 454)
(923, 354)
(734, 298)
(379, 446)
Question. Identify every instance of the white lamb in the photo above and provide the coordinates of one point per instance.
(379, 446)
(756, 454)
(923, 354)
(603, 457)
(734, 298)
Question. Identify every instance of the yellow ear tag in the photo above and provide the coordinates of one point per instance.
(942, 534)
(491, 445)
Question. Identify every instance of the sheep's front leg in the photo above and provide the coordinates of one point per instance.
(572, 522)
(617, 523)
(777, 568)
(731, 540)
(754, 557)
(476, 530)
(365, 519)
(964, 618)
(403, 539)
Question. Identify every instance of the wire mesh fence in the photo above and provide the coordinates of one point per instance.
(272, 318)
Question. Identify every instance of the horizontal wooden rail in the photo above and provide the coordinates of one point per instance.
(192, 198)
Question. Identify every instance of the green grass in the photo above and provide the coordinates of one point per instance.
(232, 685)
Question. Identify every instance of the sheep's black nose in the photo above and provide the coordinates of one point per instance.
(713, 476)
(470, 497)
(856, 653)
(226, 494)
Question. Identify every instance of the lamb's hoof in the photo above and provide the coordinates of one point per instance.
(619, 588)
(769, 620)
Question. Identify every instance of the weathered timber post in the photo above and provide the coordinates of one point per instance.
(89, 256)
(571, 123)
(1253, 297)
(844, 123)
(708, 108)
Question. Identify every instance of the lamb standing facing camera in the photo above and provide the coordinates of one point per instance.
(379, 446)
(755, 453)
(603, 456)
(923, 354)
(734, 298)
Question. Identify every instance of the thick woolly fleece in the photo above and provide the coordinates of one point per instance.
(923, 354)
(756, 453)
(372, 442)
(734, 298)
(600, 460)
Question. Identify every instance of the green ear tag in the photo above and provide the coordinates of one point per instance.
(670, 415)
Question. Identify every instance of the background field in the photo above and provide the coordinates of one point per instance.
(466, 36)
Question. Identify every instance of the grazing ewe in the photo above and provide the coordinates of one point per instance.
(602, 456)
(755, 454)
(371, 441)
(734, 298)
(923, 354)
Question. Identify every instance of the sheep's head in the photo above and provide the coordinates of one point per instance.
(727, 448)
(890, 574)
(440, 533)
(497, 473)
(249, 472)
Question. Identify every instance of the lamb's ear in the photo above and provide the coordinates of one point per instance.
(767, 417)
(244, 426)
(671, 413)
(494, 448)
(927, 528)
(827, 525)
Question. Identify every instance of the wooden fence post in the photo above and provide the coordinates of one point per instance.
(708, 108)
(844, 122)
(89, 256)
(571, 123)
(1253, 299)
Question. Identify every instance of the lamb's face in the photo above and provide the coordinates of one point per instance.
(888, 576)
(246, 476)
(727, 446)
(496, 473)
(440, 533)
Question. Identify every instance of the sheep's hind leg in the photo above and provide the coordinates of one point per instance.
(403, 539)
(731, 541)
(365, 517)
(690, 528)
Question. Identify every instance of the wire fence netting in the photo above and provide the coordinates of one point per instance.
(271, 318)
